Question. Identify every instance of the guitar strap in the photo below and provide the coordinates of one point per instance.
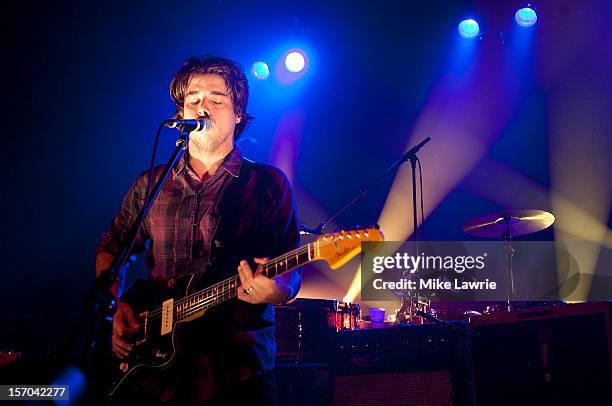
(229, 208)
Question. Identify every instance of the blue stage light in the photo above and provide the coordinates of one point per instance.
(261, 70)
(468, 28)
(526, 17)
(295, 61)
(75, 380)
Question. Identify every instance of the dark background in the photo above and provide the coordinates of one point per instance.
(518, 119)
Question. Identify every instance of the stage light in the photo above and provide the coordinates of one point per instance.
(468, 28)
(260, 70)
(347, 299)
(75, 380)
(295, 61)
(526, 17)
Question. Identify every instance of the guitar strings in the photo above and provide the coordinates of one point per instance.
(226, 294)
(207, 291)
(205, 297)
(268, 265)
(209, 294)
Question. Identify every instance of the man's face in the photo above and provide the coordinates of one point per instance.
(208, 95)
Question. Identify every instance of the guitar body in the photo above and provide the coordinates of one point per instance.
(156, 345)
(153, 350)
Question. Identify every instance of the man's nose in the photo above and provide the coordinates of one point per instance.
(203, 111)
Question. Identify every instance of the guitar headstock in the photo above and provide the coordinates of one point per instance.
(338, 248)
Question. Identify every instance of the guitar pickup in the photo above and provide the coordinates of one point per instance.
(167, 316)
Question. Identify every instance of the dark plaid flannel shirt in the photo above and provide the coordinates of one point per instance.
(179, 234)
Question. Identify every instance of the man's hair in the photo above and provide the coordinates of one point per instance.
(235, 80)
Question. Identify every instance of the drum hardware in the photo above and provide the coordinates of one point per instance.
(508, 224)
(490, 309)
(411, 306)
(460, 314)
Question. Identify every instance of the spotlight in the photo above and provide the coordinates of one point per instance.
(526, 17)
(295, 61)
(261, 70)
(468, 28)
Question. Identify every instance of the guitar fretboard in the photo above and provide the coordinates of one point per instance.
(225, 290)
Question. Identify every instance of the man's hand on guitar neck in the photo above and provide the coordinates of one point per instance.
(124, 325)
(256, 288)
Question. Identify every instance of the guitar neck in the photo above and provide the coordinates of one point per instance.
(195, 304)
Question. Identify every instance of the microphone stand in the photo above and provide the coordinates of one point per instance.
(405, 313)
(318, 230)
(99, 303)
(407, 305)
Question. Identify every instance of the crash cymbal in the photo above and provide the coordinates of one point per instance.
(517, 221)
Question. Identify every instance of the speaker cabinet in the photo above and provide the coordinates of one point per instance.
(546, 356)
(401, 365)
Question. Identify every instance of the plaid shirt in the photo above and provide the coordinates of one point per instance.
(179, 228)
(244, 210)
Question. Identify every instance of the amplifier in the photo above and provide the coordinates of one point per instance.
(401, 365)
(303, 330)
(545, 355)
(302, 384)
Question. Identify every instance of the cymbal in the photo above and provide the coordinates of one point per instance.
(517, 221)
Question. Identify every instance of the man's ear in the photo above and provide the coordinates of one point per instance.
(238, 118)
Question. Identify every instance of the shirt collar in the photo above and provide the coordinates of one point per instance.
(231, 163)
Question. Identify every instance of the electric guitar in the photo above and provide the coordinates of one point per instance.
(154, 346)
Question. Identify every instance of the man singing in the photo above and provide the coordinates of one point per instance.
(216, 211)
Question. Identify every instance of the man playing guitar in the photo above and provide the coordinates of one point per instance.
(217, 212)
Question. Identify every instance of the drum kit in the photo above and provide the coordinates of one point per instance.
(337, 316)
(507, 224)
(500, 225)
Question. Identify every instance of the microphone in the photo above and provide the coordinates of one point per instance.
(199, 124)
(414, 150)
